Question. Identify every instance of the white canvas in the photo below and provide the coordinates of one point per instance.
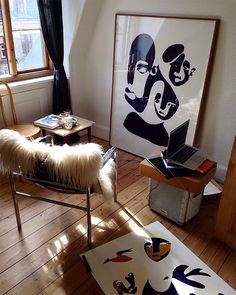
(162, 274)
(180, 46)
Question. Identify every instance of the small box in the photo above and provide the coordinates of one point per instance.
(176, 204)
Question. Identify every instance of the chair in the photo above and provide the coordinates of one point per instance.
(65, 169)
(27, 130)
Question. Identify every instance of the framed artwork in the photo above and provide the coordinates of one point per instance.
(161, 70)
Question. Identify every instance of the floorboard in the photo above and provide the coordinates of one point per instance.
(44, 257)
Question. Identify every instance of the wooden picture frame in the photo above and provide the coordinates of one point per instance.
(161, 70)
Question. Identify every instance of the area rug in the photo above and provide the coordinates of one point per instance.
(152, 261)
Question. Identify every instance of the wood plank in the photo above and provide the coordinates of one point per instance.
(28, 209)
(198, 240)
(45, 258)
(228, 270)
(214, 254)
(128, 225)
(72, 234)
(29, 227)
(182, 232)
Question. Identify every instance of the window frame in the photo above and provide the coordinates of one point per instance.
(15, 75)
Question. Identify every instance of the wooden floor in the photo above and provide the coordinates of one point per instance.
(44, 258)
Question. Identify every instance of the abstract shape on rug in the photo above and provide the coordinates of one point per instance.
(120, 257)
(158, 263)
(120, 287)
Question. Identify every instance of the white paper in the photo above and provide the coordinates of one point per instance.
(211, 189)
(108, 269)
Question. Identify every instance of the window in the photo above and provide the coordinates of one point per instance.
(22, 50)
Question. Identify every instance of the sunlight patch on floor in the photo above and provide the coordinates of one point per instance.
(124, 215)
(45, 268)
(81, 228)
(58, 246)
(64, 240)
(132, 224)
(51, 255)
(96, 220)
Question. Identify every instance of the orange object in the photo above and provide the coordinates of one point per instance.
(206, 166)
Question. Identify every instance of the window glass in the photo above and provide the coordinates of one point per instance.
(28, 50)
(4, 70)
(24, 15)
(27, 36)
(23, 54)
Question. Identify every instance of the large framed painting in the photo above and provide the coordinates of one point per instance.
(161, 71)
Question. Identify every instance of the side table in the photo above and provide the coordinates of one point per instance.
(83, 124)
(177, 198)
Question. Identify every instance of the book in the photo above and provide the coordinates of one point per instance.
(50, 122)
(206, 166)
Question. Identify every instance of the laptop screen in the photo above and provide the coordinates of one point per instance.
(177, 138)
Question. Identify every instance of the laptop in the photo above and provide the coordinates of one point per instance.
(178, 152)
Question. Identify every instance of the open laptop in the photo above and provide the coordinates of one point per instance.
(180, 153)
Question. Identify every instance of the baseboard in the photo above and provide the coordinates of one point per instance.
(100, 131)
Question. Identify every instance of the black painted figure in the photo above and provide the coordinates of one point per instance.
(146, 86)
(148, 92)
(122, 289)
(180, 69)
(155, 133)
(142, 54)
(163, 102)
(158, 249)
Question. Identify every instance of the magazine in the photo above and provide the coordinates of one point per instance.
(50, 122)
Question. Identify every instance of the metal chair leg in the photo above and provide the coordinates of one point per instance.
(89, 234)
(115, 180)
(15, 201)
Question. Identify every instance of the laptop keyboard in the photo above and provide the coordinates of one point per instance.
(184, 154)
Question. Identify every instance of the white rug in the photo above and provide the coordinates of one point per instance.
(152, 261)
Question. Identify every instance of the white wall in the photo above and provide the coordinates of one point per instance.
(82, 27)
(92, 54)
(32, 99)
(71, 20)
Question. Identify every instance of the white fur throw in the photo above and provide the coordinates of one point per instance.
(78, 165)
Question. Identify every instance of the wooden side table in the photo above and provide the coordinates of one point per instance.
(182, 188)
(195, 182)
(83, 124)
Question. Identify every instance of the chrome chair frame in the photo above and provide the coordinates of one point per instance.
(62, 188)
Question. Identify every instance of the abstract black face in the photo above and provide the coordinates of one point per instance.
(165, 100)
(157, 249)
(180, 69)
(141, 58)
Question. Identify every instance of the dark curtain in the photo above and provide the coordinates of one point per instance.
(50, 13)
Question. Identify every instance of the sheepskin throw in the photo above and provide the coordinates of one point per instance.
(79, 165)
